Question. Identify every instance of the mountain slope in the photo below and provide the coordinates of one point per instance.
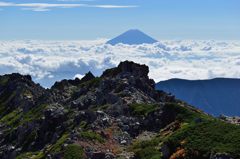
(216, 96)
(132, 37)
(116, 115)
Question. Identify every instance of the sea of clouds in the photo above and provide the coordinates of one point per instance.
(49, 61)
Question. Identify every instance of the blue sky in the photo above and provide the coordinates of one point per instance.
(92, 19)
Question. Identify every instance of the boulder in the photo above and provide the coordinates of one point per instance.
(87, 116)
(221, 156)
(127, 67)
(55, 114)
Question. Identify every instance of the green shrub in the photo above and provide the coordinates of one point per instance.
(143, 109)
(101, 107)
(208, 136)
(148, 153)
(34, 113)
(186, 114)
(90, 135)
(199, 135)
(31, 155)
(147, 149)
(57, 147)
(11, 119)
(73, 151)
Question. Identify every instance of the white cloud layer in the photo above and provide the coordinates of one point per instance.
(48, 61)
(49, 6)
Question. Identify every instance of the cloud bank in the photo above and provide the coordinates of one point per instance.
(50, 6)
(48, 61)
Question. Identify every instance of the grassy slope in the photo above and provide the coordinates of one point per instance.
(199, 135)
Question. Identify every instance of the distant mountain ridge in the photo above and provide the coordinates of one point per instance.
(132, 37)
(215, 96)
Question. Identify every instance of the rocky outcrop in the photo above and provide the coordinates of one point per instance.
(127, 67)
(93, 103)
(233, 120)
(100, 117)
(67, 83)
(19, 91)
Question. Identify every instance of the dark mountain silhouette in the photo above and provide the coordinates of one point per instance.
(215, 96)
(132, 37)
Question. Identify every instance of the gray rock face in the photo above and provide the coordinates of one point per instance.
(64, 84)
(55, 114)
(19, 91)
(127, 68)
(87, 116)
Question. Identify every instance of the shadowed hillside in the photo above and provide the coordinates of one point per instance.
(216, 96)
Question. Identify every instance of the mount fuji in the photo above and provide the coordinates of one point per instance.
(132, 37)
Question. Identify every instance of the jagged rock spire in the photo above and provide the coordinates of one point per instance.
(128, 67)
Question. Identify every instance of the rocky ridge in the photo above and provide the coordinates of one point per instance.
(116, 115)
